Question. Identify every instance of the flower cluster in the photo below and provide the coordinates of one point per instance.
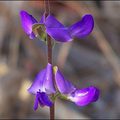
(43, 87)
(50, 80)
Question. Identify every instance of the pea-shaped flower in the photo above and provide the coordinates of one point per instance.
(57, 30)
(80, 97)
(42, 87)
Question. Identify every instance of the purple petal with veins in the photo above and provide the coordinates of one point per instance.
(59, 34)
(42, 99)
(37, 85)
(45, 99)
(27, 21)
(83, 27)
(51, 22)
(36, 102)
(84, 96)
(48, 80)
(64, 86)
(43, 81)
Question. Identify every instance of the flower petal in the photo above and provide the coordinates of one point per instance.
(84, 96)
(51, 22)
(48, 80)
(64, 86)
(38, 83)
(32, 36)
(42, 20)
(36, 103)
(83, 27)
(42, 99)
(59, 34)
(45, 99)
(96, 95)
(43, 81)
(27, 21)
(56, 29)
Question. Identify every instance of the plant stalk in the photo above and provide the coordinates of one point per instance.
(52, 108)
(49, 55)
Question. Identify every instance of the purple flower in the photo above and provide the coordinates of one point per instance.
(43, 86)
(57, 30)
(79, 97)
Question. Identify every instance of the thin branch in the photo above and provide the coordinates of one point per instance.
(49, 44)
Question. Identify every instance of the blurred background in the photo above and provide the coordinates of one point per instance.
(94, 60)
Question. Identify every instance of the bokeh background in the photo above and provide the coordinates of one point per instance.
(94, 60)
